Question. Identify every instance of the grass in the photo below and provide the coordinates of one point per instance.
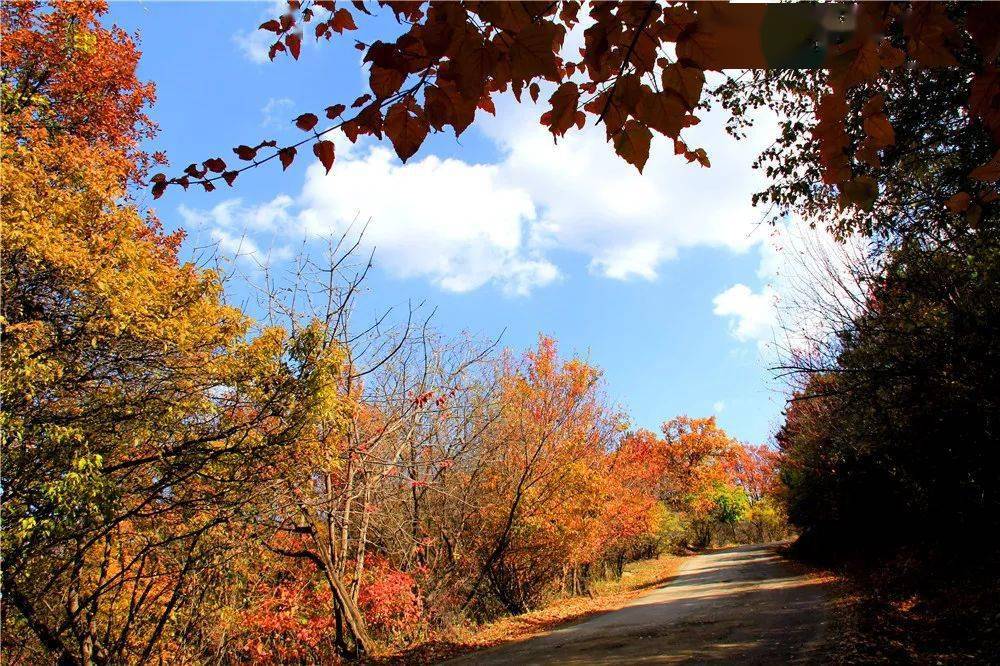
(606, 595)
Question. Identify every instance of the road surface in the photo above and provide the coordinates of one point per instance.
(743, 605)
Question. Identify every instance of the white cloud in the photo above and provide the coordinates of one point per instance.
(254, 43)
(813, 285)
(752, 314)
(232, 214)
(462, 224)
(590, 201)
(277, 113)
(718, 406)
(234, 246)
(457, 224)
(235, 229)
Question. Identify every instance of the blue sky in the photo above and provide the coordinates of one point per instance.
(662, 279)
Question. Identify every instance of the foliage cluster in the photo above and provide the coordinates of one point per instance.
(182, 483)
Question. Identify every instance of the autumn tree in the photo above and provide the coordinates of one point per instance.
(537, 503)
(67, 75)
(139, 410)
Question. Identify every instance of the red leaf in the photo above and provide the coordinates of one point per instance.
(230, 176)
(277, 46)
(473, 65)
(928, 31)
(437, 107)
(486, 104)
(569, 12)
(328, 5)
(361, 101)
(335, 110)
(324, 151)
(984, 99)
(306, 121)
(989, 172)
(294, 43)
(361, 6)
(286, 155)
(193, 171)
(406, 130)
(215, 164)
(563, 114)
(632, 144)
(533, 90)
(271, 25)
(958, 203)
(245, 152)
(889, 56)
(158, 189)
(533, 52)
(385, 82)
(208, 186)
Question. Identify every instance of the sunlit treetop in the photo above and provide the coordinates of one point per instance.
(66, 73)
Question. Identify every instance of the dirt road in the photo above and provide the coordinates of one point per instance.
(742, 605)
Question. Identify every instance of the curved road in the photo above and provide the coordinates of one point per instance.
(742, 605)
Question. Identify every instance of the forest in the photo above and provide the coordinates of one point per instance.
(187, 481)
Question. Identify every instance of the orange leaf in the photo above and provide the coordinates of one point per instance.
(686, 82)
(664, 112)
(876, 124)
(563, 115)
(342, 20)
(860, 192)
(852, 62)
